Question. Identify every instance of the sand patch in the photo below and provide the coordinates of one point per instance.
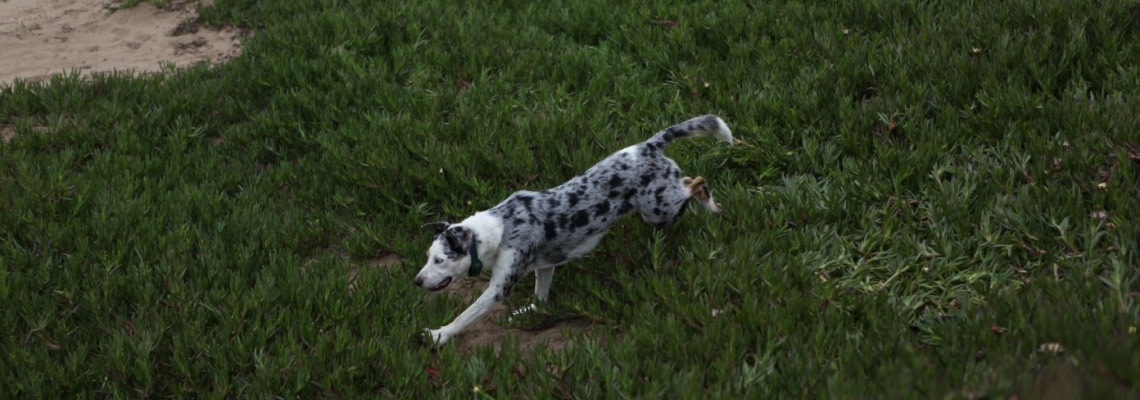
(383, 261)
(488, 331)
(45, 37)
(6, 133)
(387, 260)
(11, 129)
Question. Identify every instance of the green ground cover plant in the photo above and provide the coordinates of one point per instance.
(936, 199)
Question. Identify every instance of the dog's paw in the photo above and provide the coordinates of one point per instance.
(433, 337)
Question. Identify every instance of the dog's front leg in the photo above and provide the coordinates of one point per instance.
(477, 310)
(502, 279)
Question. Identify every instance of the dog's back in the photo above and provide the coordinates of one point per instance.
(564, 222)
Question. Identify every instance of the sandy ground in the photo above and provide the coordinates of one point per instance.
(39, 38)
(488, 331)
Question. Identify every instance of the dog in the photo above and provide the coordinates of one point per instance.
(539, 231)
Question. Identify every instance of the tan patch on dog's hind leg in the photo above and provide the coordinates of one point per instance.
(699, 189)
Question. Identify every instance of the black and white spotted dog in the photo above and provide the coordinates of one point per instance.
(538, 231)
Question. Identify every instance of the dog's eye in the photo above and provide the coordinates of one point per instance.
(439, 261)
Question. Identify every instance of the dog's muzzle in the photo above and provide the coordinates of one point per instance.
(446, 281)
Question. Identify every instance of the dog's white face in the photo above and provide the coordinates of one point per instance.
(441, 270)
(447, 260)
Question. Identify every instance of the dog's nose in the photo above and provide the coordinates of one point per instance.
(419, 281)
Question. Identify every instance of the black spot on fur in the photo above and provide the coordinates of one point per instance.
(673, 132)
(625, 207)
(551, 230)
(602, 208)
(613, 194)
(573, 199)
(519, 221)
(676, 174)
(564, 221)
(615, 181)
(657, 211)
(646, 178)
(581, 218)
(553, 202)
(623, 167)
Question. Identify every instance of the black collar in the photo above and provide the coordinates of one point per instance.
(476, 264)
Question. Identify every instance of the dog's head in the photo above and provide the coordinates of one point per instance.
(449, 256)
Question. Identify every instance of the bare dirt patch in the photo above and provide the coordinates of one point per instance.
(488, 331)
(45, 37)
(11, 129)
(383, 261)
(7, 133)
(554, 337)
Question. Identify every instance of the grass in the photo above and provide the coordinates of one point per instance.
(932, 196)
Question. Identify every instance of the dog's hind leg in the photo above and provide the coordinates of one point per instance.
(699, 189)
(542, 279)
(664, 205)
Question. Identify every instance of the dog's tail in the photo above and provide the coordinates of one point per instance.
(705, 125)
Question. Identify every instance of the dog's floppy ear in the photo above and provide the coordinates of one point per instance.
(436, 227)
(456, 239)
